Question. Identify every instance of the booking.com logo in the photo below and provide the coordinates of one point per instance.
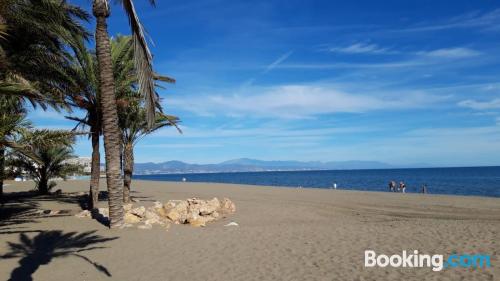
(415, 259)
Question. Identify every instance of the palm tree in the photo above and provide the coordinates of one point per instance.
(12, 124)
(86, 97)
(133, 123)
(143, 67)
(34, 58)
(45, 161)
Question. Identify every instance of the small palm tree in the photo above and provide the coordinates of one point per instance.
(133, 124)
(45, 160)
(12, 124)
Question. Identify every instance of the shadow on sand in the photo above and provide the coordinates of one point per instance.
(47, 245)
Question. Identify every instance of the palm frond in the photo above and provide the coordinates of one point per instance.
(143, 62)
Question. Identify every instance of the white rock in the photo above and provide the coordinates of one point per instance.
(83, 214)
(127, 207)
(139, 211)
(232, 224)
(104, 212)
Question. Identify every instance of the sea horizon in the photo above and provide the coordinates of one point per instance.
(475, 181)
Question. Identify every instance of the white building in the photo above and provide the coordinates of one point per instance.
(85, 162)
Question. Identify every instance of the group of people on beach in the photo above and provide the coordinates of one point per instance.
(402, 187)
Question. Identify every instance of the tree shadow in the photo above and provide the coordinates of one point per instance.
(16, 213)
(47, 245)
(23, 207)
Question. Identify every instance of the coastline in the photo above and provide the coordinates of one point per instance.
(283, 234)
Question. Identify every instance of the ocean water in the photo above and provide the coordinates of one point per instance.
(479, 181)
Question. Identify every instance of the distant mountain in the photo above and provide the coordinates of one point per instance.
(253, 165)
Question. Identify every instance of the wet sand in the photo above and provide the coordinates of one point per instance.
(283, 234)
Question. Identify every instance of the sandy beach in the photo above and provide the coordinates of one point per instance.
(282, 234)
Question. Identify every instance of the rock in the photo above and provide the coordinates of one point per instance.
(227, 206)
(176, 211)
(58, 192)
(152, 218)
(104, 212)
(83, 214)
(200, 220)
(232, 224)
(161, 212)
(210, 207)
(139, 211)
(54, 212)
(131, 218)
(197, 222)
(127, 207)
(135, 200)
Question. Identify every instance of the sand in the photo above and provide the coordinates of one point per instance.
(283, 234)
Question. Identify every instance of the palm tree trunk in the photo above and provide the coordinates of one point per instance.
(2, 171)
(43, 183)
(95, 171)
(112, 136)
(128, 163)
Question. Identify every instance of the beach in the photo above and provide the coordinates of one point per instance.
(282, 234)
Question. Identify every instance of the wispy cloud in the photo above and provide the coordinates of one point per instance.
(279, 60)
(481, 105)
(301, 101)
(267, 69)
(486, 20)
(347, 65)
(360, 48)
(450, 53)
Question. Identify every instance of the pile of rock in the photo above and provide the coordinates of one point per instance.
(193, 211)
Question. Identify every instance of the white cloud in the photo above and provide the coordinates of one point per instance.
(450, 53)
(300, 101)
(481, 105)
(360, 48)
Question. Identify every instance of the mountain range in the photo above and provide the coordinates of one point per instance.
(253, 165)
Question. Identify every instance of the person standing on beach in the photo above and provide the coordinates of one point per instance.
(392, 186)
(424, 188)
(402, 187)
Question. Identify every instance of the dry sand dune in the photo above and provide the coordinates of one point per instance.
(283, 234)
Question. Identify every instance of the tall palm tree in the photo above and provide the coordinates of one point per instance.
(86, 97)
(143, 65)
(134, 126)
(45, 160)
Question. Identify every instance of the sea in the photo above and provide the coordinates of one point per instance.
(475, 181)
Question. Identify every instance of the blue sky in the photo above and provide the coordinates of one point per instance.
(394, 81)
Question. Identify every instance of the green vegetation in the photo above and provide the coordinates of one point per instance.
(45, 62)
(47, 153)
